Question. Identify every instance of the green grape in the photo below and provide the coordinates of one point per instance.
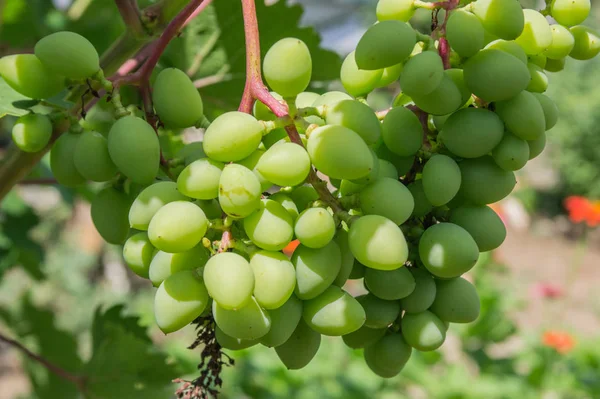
(316, 269)
(512, 153)
(306, 99)
(234, 344)
(270, 227)
(25, 74)
(484, 182)
(523, 115)
(91, 158)
(285, 164)
(287, 67)
(503, 18)
(538, 59)
(441, 179)
(387, 169)
(363, 337)
(465, 33)
(390, 285)
(62, 163)
(287, 203)
(379, 312)
(509, 46)
(249, 322)
(458, 77)
(400, 10)
(536, 147)
(373, 173)
(539, 80)
(348, 188)
(570, 12)
(232, 137)
(239, 191)
(445, 99)
(555, 65)
(357, 81)
(264, 113)
(550, 110)
(176, 101)
(179, 300)
(389, 198)
(315, 227)
(482, 223)
(422, 204)
(211, 208)
(134, 148)
(447, 250)
(388, 356)
(334, 312)
(562, 42)
(274, 278)
(495, 75)
(456, 301)
(251, 162)
(378, 243)
(150, 200)
(536, 36)
(229, 280)
(109, 213)
(68, 54)
(357, 117)
(137, 253)
(587, 43)
(32, 132)
(200, 179)
(423, 331)
(177, 227)
(284, 321)
(358, 271)
(300, 348)
(421, 298)
(339, 152)
(341, 239)
(422, 74)
(331, 98)
(165, 264)
(303, 196)
(472, 132)
(99, 118)
(390, 75)
(385, 44)
(192, 152)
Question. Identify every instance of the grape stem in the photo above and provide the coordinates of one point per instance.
(440, 30)
(130, 13)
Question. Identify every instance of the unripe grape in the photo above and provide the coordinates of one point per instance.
(363, 337)
(587, 43)
(536, 36)
(402, 164)
(176, 101)
(231, 343)
(177, 227)
(211, 208)
(138, 252)
(334, 313)
(232, 137)
(192, 152)
(200, 179)
(472, 132)
(539, 80)
(388, 356)
(550, 110)
(379, 312)
(523, 115)
(109, 213)
(284, 321)
(511, 76)
(68, 54)
(385, 44)
(377, 242)
(300, 348)
(387, 169)
(134, 148)
(274, 278)
(422, 74)
(331, 98)
(423, 331)
(150, 200)
(441, 179)
(536, 147)
(229, 280)
(32, 132)
(303, 196)
(570, 12)
(423, 294)
(287, 67)
(251, 162)
(270, 227)
(62, 162)
(445, 99)
(456, 301)
(25, 74)
(458, 77)
(555, 65)
(358, 271)
(99, 119)
(465, 33)
(512, 153)
(239, 191)
(92, 159)
(482, 223)
(390, 285)
(422, 204)
(389, 198)
(400, 10)
(249, 322)
(358, 82)
(509, 46)
(341, 239)
(562, 42)
(390, 75)
(287, 203)
(315, 227)
(165, 264)
(503, 18)
(484, 182)
(179, 300)
(357, 117)
(402, 132)
(285, 164)
(316, 269)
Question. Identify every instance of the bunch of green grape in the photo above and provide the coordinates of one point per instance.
(402, 201)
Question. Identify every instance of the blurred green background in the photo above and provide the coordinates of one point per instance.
(537, 336)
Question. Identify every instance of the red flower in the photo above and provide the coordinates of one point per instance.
(560, 341)
(546, 290)
(582, 209)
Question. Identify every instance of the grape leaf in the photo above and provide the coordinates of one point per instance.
(11, 102)
(114, 316)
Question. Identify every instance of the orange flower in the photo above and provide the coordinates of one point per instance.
(560, 341)
(582, 209)
(291, 247)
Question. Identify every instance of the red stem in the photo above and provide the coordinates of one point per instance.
(444, 51)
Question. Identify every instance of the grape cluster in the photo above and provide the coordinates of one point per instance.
(402, 201)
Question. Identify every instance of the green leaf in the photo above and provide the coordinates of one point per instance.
(11, 102)
(114, 317)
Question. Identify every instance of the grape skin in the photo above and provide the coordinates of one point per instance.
(315, 227)
(274, 278)
(109, 213)
(232, 137)
(385, 44)
(423, 331)
(176, 100)
(92, 159)
(388, 356)
(287, 67)
(270, 227)
(300, 348)
(390, 285)
(456, 301)
(150, 200)
(68, 54)
(472, 132)
(357, 81)
(32, 132)
(465, 33)
(334, 312)
(284, 321)
(229, 280)
(441, 179)
(62, 163)
(25, 74)
(177, 227)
